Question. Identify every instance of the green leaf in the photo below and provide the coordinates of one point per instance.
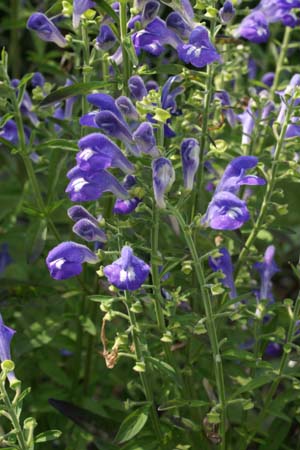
(100, 298)
(107, 9)
(59, 144)
(254, 384)
(47, 436)
(75, 89)
(172, 404)
(162, 366)
(238, 354)
(133, 424)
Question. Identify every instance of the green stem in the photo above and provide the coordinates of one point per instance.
(211, 327)
(268, 192)
(156, 281)
(197, 191)
(282, 55)
(282, 367)
(29, 168)
(123, 33)
(143, 375)
(13, 416)
(86, 66)
(200, 175)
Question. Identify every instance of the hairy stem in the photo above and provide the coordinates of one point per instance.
(143, 375)
(211, 327)
(13, 417)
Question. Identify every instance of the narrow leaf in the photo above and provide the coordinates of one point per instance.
(133, 424)
(47, 436)
(75, 89)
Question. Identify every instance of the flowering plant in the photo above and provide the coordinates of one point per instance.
(166, 316)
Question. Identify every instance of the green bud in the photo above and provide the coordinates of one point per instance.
(7, 366)
(211, 12)
(217, 289)
(167, 337)
(213, 417)
(136, 307)
(67, 8)
(140, 367)
(29, 423)
(161, 115)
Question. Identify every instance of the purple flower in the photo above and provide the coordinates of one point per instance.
(87, 230)
(10, 132)
(37, 80)
(254, 28)
(155, 36)
(176, 23)
(137, 87)
(104, 102)
(224, 264)
(88, 186)
(116, 128)
(163, 176)
(190, 161)
(247, 119)
(145, 139)
(105, 39)
(199, 51)
(99, 152)
(268, 79)
(126, 206)
(150, 11)
(66, 259)
(127, 108)
(79, 7)
(45, 29)
(78, 212)
(273, 350)
(6, 335)
(227, 12)
(5, 258)
(266, 270)
(227, 110)
(234, 175)
(127, 272)
(226, 212)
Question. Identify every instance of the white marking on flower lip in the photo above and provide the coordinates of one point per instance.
(87, 153)
(127, 274)
(261, 31)
(58, 263)
(78, 184)
(234, 213)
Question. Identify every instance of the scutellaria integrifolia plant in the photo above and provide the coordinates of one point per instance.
(163, 120)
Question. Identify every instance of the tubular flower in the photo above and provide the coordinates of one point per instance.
(224, 264)
(79, 7)
(163, 176)
(126, 206)
(45, 29)
(199, 51)
(66, 259)
(6, 335)
(128, 272)
(99, 152)
(86, 186)
(266, 270)
(227, 12)
(87, 230)
(190, 150)
(226, 211)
